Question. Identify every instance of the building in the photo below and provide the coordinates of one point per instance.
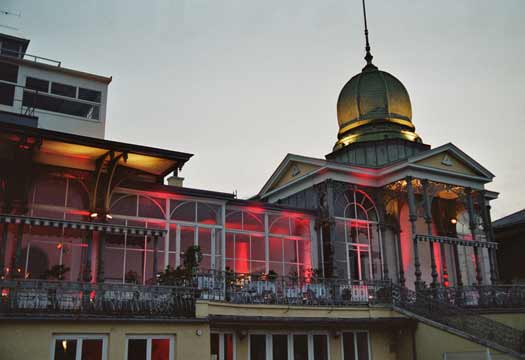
(38, 91)
(509, 232)
(383, 249)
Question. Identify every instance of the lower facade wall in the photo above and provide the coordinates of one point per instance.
(32, 340)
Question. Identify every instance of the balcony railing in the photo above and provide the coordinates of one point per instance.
(249, 289)
(489, 297)
(42, 297)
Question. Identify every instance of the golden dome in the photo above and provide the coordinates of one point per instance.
(374, 105)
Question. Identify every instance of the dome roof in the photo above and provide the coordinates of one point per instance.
(374, 105)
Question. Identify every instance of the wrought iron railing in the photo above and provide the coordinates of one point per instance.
(445, 312)
(43, 297)
(489, 297)
(249, 289)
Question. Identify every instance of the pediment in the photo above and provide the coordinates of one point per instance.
(450, 158)
(294, 170)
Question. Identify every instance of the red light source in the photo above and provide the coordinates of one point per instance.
(59, 246)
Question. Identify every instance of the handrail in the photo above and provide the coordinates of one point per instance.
(22, 55)
(429, 306)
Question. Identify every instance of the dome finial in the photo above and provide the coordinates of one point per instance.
(368, 56)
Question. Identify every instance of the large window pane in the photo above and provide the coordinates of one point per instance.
(7, 94)
(137, 349)
(63, 90)
(187, 238)
(204, 240)
(228, 347)
(8, 72)
(89, 95)
(276, 249)
(320, 347)
(300, 347)
(91, 349)
(160, 349)
(253, 221)
(37, 84)
(280, 347)
(124, 204)
(151, 207)
(348, 346)
(214, 346)
(183, 210)
(257, 347)
(362, 346)
(279, 225)
(258, 248)
(208, 213)
(59, 105)
(65, 349)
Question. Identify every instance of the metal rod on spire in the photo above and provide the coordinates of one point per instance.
(368, 56)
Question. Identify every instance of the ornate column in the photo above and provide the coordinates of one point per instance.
(413, 218)
(3, 246)
(472, 226)
(489, 233)
(402, 279)
(428, 221)
(86, 274)
(155, 252)
(100, 256)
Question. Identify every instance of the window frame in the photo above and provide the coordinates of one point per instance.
(355, 332)
(290, 335)
(149, 338)
(80, 337)
(221, 343)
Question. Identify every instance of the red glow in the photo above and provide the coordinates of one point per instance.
(405, 239)
(358, 223)
(437, 253)
(92, 295)
(5, 292)
(254, 209)
(78, 212)
(59, 246)
(242, 253)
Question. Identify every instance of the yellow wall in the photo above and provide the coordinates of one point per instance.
(32, 340)
(456, 164)
(432, 342)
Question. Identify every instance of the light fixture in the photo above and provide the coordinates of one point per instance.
(93, 215)
(454, 221)
(109, 216)
(64, 345)
(198, 332)
(59, 246)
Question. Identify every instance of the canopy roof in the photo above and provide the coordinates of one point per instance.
(82, 152)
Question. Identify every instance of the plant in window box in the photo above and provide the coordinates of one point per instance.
(131, 277)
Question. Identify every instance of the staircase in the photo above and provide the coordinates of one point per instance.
(463, 322)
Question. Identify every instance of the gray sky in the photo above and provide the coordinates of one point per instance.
(242, 83)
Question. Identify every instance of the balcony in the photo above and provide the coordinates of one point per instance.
(44, 298)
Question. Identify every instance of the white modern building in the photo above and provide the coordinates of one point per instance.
(39, 91)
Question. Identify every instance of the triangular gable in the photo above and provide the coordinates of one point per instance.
(294, 171)
(450, 158)
(292, 167)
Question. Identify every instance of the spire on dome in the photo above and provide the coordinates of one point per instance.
(368, 56)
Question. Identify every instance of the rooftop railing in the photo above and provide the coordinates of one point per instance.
(26, 56)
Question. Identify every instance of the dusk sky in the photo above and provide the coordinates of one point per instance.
(242, 83)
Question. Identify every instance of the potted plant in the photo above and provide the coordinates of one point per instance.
(172, 276)
(131, 277)
(56, 272)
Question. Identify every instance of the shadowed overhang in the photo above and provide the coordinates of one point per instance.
(82, 152)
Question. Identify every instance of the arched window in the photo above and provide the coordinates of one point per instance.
(357, 247)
